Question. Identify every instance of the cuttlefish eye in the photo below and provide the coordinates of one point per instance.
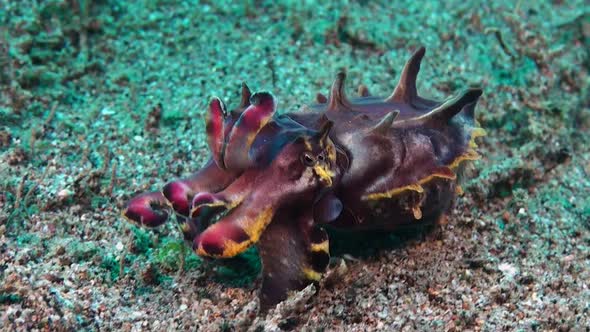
(308, 159)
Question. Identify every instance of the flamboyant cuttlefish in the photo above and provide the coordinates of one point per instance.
(275, 181)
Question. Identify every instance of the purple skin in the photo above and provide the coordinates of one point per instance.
(366, 163)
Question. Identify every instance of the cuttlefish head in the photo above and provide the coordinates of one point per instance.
(307, 162)
(302, 168)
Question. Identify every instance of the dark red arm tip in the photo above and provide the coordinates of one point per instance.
(205, 201)
(222, 240)
(148, 209)
(179, 194)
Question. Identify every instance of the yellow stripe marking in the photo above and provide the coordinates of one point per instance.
(324, 174)
(210, 205)
(320, 247)
(417, 212)
(478, 132)
(310, 274)
(470, 154)
(185, 227)
(331, 151)
(232, 248)
(417, 187)
(308, 146)
(253, 228)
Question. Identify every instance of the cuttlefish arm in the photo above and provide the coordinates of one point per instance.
(239, 228)
(210, 178)
(152, 209)
(204, 203)
(148, 209)
(294, 253)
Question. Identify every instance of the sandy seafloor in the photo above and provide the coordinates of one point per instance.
(79, 136)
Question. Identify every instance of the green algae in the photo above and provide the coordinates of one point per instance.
(173, 255)
(240, 271)
(142, 240)
(110, 264)
(10, 298)
(82, 251)
(29, 239)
